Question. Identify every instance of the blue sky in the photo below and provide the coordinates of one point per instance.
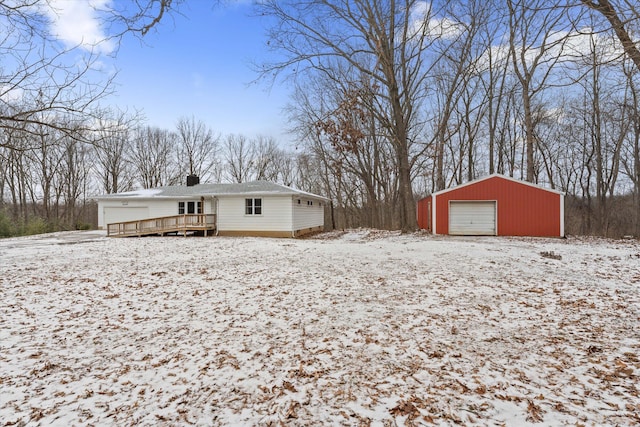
(199, 63)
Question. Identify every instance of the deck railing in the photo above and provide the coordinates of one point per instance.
(162, 225)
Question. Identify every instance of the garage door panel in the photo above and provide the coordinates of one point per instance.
(472, 218)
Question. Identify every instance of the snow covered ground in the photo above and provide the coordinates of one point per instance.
(361, 328)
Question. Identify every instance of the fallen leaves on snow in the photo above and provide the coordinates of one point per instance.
(350, 328)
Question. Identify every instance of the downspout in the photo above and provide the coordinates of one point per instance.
(214, 199)
(293, 222)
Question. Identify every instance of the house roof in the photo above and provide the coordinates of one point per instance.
(255, 188)
(496, 175)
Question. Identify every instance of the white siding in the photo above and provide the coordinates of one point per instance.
(158, 208)
(113, 214)
(276, 214)
(307, 216)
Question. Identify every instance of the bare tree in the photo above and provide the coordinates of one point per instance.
(3, 172)
(142, 16)
(72, 181)
(111, 140)
(283, 167)
(238, 153)
(355, 146)
(154, 157)
(45, 162)
(265, 150)
(537, 36)
(631, 156)
(493, 70)
(16, 171)
(197, 148)
(387, 41)
(40, 77)
(452, 79)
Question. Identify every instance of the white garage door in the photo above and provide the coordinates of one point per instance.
(472, 218)
(123, 214)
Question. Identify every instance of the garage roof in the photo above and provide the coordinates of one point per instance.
(497, 175)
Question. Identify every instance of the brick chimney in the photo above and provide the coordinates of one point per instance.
(192, 180)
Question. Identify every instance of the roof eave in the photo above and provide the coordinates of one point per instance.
(497, 175)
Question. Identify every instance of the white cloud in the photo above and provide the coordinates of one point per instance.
(77, 23)
(425, 22)
(582, 44)
(10, 95)
(445, 28)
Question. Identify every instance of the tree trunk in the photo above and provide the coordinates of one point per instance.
(529, 134)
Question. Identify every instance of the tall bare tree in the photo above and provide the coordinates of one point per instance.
(388, 41)
(265, 150)
(238, 153)
(111, 140)
(631, 156)
(154, 157)
(197, 147)
(73, 181)
(537, 37)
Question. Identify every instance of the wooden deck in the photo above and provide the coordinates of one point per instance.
(179, 224)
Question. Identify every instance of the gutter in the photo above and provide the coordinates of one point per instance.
(293, 226)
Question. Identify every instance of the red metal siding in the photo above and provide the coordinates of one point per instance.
(523, 210)
(424, 213)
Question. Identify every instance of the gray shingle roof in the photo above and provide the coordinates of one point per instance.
(256, 188)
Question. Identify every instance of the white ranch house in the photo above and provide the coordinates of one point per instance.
(257, 208)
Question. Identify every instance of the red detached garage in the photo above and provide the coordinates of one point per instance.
(494, 206)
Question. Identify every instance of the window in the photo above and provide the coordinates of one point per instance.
(309, 203)
(191, 208)
(253, 206)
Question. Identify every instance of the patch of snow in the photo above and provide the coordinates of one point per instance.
(143, 192)
(345, 328)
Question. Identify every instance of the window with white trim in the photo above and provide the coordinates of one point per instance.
(191, 208)
(253, 206)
